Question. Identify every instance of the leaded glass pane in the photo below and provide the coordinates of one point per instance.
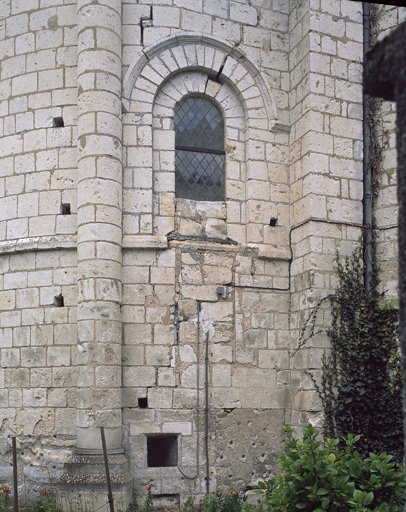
(199, 144)
(199, 176)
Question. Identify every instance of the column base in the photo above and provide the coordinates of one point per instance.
(84, 482)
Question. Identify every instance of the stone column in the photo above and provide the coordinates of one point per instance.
(99, 224)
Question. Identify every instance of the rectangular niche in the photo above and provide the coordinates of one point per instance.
(162, 451)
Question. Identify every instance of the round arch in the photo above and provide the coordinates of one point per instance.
(194, 51)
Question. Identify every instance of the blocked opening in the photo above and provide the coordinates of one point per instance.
(162, 451)
(273, 221)
(57, 122)
(58, 301)
(143, 403)
(65, 209)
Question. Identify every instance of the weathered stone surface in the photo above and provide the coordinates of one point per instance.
(112, 288)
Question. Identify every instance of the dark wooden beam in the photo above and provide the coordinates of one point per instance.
(396, 3)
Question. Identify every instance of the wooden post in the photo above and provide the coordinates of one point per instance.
(15, 479)
(106, 463)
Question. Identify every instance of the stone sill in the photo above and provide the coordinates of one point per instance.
(145, 242)
(271, 252)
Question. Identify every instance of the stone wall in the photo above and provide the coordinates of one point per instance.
(170, 322)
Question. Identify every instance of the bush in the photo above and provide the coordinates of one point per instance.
(361, 385)
(320, 477)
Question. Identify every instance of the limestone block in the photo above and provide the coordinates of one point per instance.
(276, 399)
(221, 375)
(185, 398)
(263, 320)
(243, 13)
(108, 376)
(190, 20)
(164, 275)
(21, 337)
(274, 359)
(30, 421)
(177, 427)
(164, 334)
(41, 377)
(58, 356)
(7, 299)
(13, 67)
(136, 293)
(256, 338)
(10, 357)
(133, 314)
(14, 280)
(137, 201)
(17, 228)
(56, 398)
(34, 397)
(341, 209)
(156, 315)
(166, 377)
(17, 377)
(145, 428)
(157, 356)
(144, 376)
(41, 335)
(225, 398)
(65, 421)
(165, 181)
(160, 398)
(216, 228)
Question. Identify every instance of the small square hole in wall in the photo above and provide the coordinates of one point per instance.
(162, 451)
(273, 221)
(58, 301)
(65, 209)
(57, 122)
(143, 403)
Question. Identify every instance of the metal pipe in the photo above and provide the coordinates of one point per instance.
(106, 464)
(15, 478)
(206, 414)
(367, 169)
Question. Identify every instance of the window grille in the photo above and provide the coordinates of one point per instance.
(199, 151)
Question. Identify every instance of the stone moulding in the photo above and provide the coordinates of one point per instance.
(159, 242)
(187, 38)
(38, 243)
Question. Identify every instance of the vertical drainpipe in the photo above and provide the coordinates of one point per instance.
(367, 170)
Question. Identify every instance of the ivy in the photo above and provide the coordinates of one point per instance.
(361, 384)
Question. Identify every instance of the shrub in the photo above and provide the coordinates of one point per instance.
(361, 386)
(320, 477)
(222, 503)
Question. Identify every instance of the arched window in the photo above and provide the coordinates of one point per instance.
(199, 151)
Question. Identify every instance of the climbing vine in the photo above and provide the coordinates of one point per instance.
(361, 384)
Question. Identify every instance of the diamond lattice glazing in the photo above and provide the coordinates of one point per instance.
(199, 142)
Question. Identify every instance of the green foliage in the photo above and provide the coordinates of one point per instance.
(6, 501)
(147, 506)
(321, 477)
(46, 504)
(361, 387)
(222, 503)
